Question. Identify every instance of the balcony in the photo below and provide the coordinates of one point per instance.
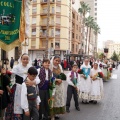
(44, 12)
(44, 24)
(43, 2)
(43, 35)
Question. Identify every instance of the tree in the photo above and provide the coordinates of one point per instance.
(83, 10)
(115, 56)
(101, 56)
(89, 24)
(96, 29)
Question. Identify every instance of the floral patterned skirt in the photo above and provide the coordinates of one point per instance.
(9, 115)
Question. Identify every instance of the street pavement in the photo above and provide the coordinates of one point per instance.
(107, 109)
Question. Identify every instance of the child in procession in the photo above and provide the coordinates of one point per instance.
(19, 72)
(73, 80)
(30, 97)
(44, 75)
(96, 84)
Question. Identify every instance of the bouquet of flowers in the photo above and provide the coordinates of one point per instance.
(51, 88)
(61, 76)
(100, 75)
(110, 69)
(80, 71)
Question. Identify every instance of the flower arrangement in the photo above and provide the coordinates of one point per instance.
(51, 88)
(110, 69)
(100, 75)
(80, 71)
(61, 76)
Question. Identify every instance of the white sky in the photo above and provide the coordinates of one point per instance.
(109, 20)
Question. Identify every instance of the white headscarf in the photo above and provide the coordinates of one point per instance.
(20, 69)
(53, 66)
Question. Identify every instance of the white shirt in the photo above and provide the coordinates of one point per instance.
(70, 82)
(24, 100)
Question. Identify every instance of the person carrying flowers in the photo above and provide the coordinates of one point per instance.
(96, 93)
(73, 80)
(85, 85)
(58, 103)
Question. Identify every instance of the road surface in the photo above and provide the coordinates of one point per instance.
(107, 109)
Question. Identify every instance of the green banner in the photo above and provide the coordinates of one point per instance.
(10, 11)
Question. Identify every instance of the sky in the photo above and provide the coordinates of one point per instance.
(109, 21)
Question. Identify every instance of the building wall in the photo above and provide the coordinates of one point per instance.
(76, 32)
(113, 47)
(59, 27)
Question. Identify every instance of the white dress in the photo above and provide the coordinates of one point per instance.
(85, 85)
(96, 86)
(21, 71)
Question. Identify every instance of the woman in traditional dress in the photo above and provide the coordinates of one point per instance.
(105, 70)
(85, 85)
(14, 110)
(97, 84)
(59, 103)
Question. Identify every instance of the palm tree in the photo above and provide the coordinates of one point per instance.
(89, 24)
(83, 10)
(96, 29)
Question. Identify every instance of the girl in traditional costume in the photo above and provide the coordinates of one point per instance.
(96, 93)
(85, 85)
(14, 110)
(59, 103)
(105, 70)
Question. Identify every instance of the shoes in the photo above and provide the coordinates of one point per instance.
(77, 108)
(57, 117)
(94, 102)
(67, 109)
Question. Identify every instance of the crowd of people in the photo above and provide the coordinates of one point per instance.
(39, 94)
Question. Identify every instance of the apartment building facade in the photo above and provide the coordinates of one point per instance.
(113, 47)
(60, 26)
(76, 32)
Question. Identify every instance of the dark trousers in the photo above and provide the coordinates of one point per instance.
(44, 108)
(34, 114)
(71, 90)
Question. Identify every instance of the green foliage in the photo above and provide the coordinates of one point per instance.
(115, 57)
(101, 56)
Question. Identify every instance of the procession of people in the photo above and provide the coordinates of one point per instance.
(39, 94)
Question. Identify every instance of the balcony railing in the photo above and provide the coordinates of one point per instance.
(45, 1)
(43, 35)
(44, 23)
(44, 12)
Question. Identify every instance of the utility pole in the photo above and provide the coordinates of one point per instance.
(47, 31)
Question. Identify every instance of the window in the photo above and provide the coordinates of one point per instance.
(95, 9)
(76, 36)
(33, 20)
(73, 47)
(52, 45)
(76, 48)
(44, 10)
(77, 27)
(57, 44)
(95, 13)
(34, 31)
(58, 9)
(72, 35)
(58, 20)
(57, 32)
(95, 4)
(73, 15)
(34, 10)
